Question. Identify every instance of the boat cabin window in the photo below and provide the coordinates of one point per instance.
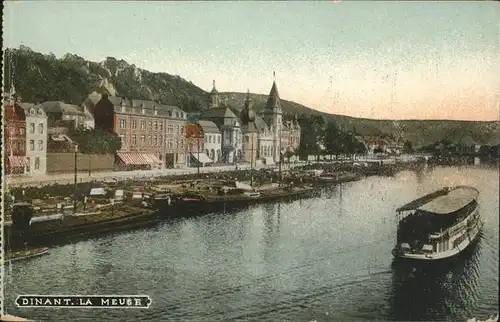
(427, 249)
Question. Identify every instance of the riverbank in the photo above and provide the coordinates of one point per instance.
(44, 230)
(149, 201)
(185, 201)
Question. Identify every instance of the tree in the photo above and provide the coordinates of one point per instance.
(95, 141)
(308, 137)
(407, 147)
(333, 138)
(378, 150)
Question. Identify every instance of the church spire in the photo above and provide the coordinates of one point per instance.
(273, 101)
(247, 114)
(248, 98)
(214, 95)
(214, 90)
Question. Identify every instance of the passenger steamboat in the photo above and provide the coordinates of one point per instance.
(439, 225)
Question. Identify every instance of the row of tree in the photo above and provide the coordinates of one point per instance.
(319, 136)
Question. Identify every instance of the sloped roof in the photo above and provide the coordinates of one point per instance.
(136, 105)
(249, 128)
(219, 112)
(208, 126)
(60, 107)
(193, 130)
(273, 101)
(261, 124)
(27, 106)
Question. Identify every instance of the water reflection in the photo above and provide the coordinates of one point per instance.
(444, 290)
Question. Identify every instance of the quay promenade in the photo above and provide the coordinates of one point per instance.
(68, 178)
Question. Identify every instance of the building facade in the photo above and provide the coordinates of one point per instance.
(175, 123)
(36, 138)
(273, 116)
(15, 138)
(273, 136)
(212, 140)
(229, 126)
(250, 132)
(195, 145)
(152, 134)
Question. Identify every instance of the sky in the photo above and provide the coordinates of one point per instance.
(382, 60)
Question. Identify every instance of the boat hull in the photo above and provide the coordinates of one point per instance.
(42, 251)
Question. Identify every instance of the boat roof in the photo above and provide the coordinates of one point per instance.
(444, 201)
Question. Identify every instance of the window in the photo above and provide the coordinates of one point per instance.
(218, 138)
(32, 145)
(161, 126)
(182, 144)
(123, 124)
(32, 127)
(182, 129)
(155, 140)
(176, 129)
(170, 144)
(21, 131)
(143, 125)
(160, 140)
(170, 129)
(176, 114)
(156, 126)
(37, 163)
(209, 139)
(150, 125)
(143, 140)
(40, 145)
(134, 140)
(40, 128)
(150, 140)
(134, 124)
(122, 139)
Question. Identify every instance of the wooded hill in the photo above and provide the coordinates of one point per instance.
(39, 77)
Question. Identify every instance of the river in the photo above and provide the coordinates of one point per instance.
(323, 259)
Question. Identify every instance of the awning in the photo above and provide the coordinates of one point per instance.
(131, 158)
(152, 159)
(202, 157)
(17, 161)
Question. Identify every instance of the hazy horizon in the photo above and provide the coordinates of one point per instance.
(375, 60)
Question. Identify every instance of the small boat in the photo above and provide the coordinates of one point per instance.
(439, 225)
(252, 194)
(13, 256)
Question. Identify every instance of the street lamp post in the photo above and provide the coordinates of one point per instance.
(76, 178)
(198, 163)
(251, 160)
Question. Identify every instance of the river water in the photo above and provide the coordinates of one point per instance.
(323, 259)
